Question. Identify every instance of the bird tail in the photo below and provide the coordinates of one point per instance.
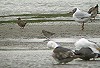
(96, 6)
(98, 49)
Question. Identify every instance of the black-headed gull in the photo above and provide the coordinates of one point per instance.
(61, 54)
(93, 11)
(21, 23)
(80, 16)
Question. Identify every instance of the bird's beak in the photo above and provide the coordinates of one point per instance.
(98, 49)
(71, 12)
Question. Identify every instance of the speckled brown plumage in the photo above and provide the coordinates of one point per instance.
(47, 34)
(21, 23)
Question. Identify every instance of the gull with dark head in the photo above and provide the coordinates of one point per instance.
(80, 16)
(61, 54)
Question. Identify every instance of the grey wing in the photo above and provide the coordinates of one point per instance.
(63, 53)
(86, 53)
(82, 15)
(90, 10)
(66, 54)
(64, 57)
(95, 44)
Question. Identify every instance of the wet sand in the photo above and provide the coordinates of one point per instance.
(36, 54)
(39, 59)
(61, 29)
(34, 30)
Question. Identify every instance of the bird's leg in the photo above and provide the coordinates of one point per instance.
(91, 20)
(94, 19)
(83, 26)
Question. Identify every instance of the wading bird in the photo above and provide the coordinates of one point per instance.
(21, 23)
(47, 34)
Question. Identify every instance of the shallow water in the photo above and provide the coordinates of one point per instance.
(43, 6)
(13, 7)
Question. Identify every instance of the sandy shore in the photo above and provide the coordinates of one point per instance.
(62, 29)
(39, 59)
(33, 30)
(37, 55)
